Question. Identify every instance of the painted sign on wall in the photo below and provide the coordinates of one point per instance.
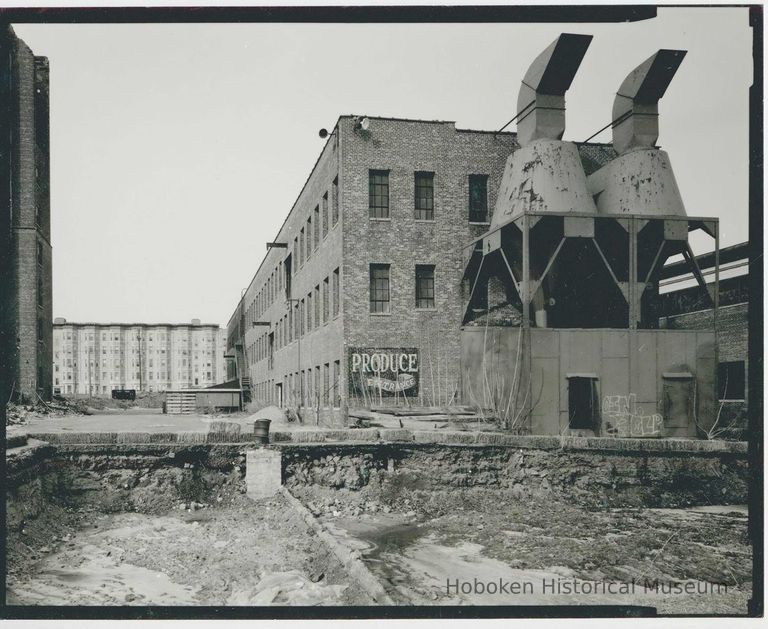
(385, 371)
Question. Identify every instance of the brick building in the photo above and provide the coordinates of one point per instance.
(25, 226)
(95, 358)
(685, 306)
(360, 298)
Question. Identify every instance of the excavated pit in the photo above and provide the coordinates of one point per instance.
(169, 527)
(171, 524)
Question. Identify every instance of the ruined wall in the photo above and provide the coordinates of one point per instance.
(119, 477)
(585, 476)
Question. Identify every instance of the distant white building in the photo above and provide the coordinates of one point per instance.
(95, 358)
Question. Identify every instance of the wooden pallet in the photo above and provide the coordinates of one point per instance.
(180, 403)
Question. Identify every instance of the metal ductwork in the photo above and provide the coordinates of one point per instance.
(640, 180)
(636, 106)
(545, 174)
(541, 99)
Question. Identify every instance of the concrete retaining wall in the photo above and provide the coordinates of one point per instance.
(129, 469)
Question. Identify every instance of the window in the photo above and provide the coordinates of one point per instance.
(336, 292)
(40, 290)
(379, 288)
(316, 241)
(582, 402)
(326, 296)
(325, 215)
(425, 285)
(302, 312)
(39, 253)
(335, 202)
(295, 251)
(731, 381)
(424, 201)
(336, 401)
(378, 193)
(326, 383)
(317, 306)
(301, 247)
(478, 198)
(309, 312)
(309, 239)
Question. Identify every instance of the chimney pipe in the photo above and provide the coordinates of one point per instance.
(541, 100)
(636, 106)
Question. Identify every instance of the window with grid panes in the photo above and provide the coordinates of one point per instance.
(424, 201)
(379, 287)
(425, 286)
(378, 194)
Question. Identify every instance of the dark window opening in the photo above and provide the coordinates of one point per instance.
(378, 194)
(424, 196)
(39, 253)
(336, 292)
(582, 403)
(335, 201)
(731, 380)
(478, 198)
(379, 283)
(316, 236)
(425, 285)
(308, 252)
(325, 215)
(287, 268)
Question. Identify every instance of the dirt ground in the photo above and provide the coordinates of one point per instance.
(245, 553)
(419, 543)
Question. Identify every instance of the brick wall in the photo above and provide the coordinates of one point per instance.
(31, 285)
(402, 148)
(323, 344)
(733, 345)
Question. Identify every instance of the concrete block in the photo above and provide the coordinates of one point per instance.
(443, 436)
(494, 439)
(263, 472)
(395, 434)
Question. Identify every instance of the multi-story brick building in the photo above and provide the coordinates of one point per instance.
(25, 225)
(361, 296)
(95, 358)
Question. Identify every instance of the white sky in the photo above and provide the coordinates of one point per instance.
(177, 150)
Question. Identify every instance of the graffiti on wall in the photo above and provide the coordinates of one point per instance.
(622, 418)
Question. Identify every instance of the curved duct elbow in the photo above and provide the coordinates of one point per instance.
(636, 106)
(541, 99)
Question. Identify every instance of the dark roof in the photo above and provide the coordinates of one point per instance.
(733, 253)
(595, 156)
